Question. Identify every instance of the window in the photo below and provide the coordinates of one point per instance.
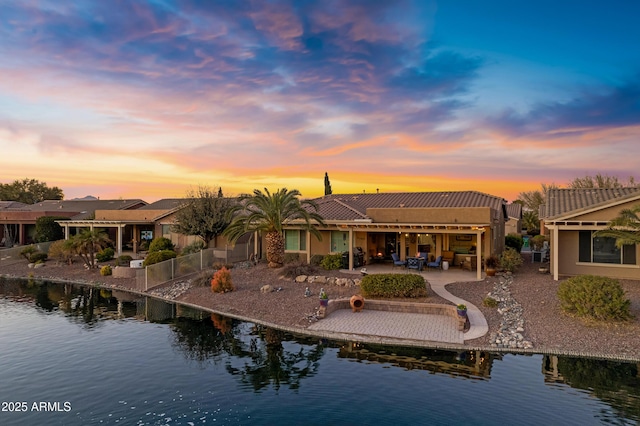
(594, 249)
(339, 241)
(295, 240)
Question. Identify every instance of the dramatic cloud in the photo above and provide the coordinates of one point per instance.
(254, 93)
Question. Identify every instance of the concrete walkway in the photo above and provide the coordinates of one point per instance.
(411, 326)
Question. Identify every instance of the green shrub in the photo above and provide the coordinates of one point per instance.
(47, 229)
(105, 255)
(331, 262)
(194, 247)
(595, 297)
(159, 244)
(158, 256)
(537, 242)
(124, 260)
(492, 262)
(27, 251)
(221, 281)
(514, 241)
(291, 258)
(490, 302)
(316, 260)
(38, 257)
(510, 259)
(393, 285)
(105, 270)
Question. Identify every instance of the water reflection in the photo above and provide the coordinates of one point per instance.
(262, 358)
(616, 383)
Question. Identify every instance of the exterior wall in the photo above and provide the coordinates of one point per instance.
(568, 264)
(605, 214)
(513, 226)
(128, 215)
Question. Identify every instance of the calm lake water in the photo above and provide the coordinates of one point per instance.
(73, 355)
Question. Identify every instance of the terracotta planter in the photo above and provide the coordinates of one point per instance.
(490, 272)
(357, 303)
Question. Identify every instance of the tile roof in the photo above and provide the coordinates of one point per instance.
(514, 210)
(12, 205)
(354, 206)
(165, 204)
(562, 201)
(85, 207)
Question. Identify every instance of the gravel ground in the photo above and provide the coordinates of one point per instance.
(546, 326)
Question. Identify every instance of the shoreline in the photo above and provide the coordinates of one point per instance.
(346, 337)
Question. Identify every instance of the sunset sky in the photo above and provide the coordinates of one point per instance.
(148, 99)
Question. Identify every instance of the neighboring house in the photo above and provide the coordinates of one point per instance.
(513, 225)
(572, 216)
(130, 229)
(18, 221)
(466, 223)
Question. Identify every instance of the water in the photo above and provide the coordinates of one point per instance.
(79, 356)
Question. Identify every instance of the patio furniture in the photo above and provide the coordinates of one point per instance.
(437, 264)
(449, 256)
(415, 263)
(397, 261)
(470, 263)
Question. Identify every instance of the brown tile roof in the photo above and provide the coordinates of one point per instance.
(12, 205)
(354, 206)
(85, 207)
(165, 204)
(563, 201)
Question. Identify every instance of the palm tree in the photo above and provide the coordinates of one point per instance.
(87, 243)
(268, 212)
(625, 228)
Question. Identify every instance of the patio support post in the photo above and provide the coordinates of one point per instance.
(308, 248)
(554, 252)
(478, 256)
(119, 239)
(350, 249)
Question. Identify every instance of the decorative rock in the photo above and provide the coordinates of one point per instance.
(31, 265)
(266, 289)
(511, 330)
(38, 265)
(301, 278)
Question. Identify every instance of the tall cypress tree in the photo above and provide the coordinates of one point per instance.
(327, 184)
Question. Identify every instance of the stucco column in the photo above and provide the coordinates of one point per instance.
(350, 248)
(308, 248)
(119, 239)
(554, 253)
(478, 255)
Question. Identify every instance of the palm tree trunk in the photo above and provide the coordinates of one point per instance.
(275, 249)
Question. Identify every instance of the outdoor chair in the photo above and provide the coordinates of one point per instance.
(437, 264)
(414, 263)
(397, 261)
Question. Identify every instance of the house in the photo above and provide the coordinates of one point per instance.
(461, 223)
(18, 220)
(572, 216)
(132, 230)
(513, 225)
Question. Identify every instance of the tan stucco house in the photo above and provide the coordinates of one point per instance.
(18, 220)
(465, 223)
(572, 216)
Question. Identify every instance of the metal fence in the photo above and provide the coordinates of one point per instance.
(160, 273)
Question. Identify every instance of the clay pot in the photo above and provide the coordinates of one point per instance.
(357, 303)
